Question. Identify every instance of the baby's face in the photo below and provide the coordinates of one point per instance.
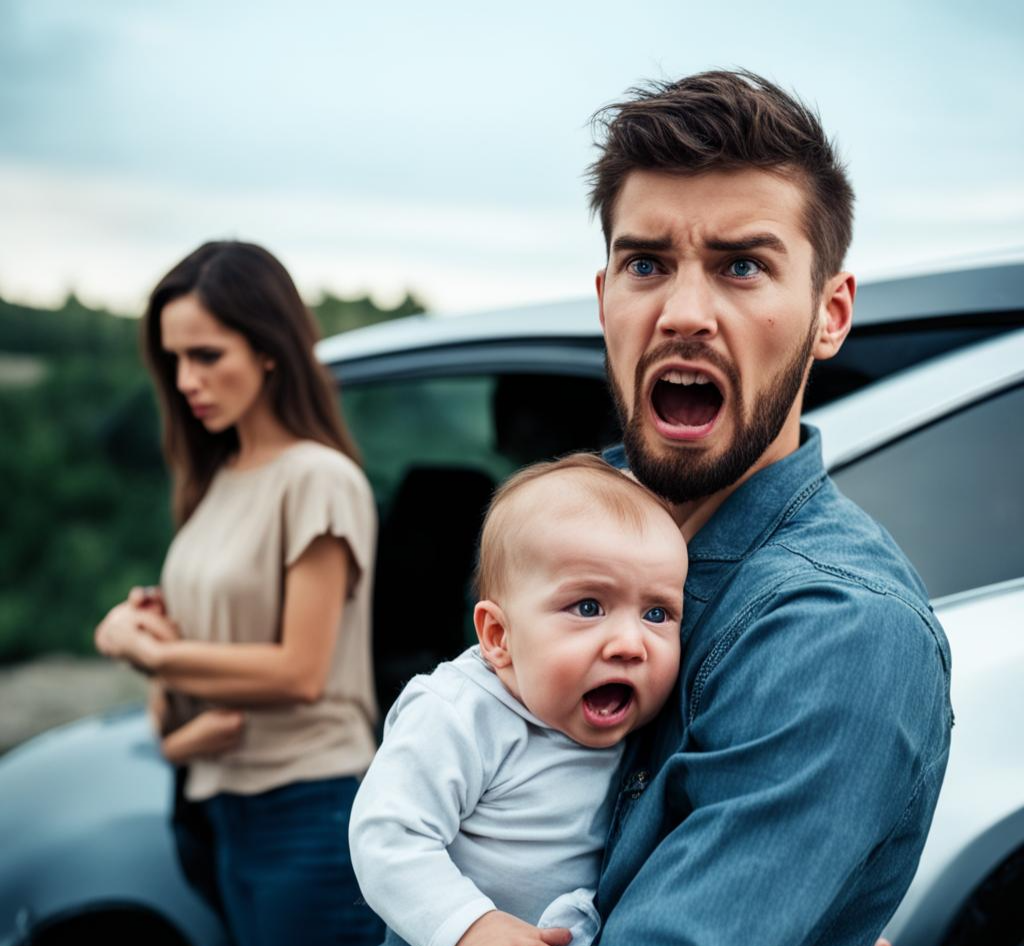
(593, 613)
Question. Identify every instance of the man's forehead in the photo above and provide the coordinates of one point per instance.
(726, 207)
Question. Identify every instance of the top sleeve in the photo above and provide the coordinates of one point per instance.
(807, 749)
(426, 778)
(328, 495)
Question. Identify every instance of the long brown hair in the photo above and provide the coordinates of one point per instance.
(248, 290)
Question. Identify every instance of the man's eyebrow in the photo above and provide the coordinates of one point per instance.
(758, 241)
(641, 244)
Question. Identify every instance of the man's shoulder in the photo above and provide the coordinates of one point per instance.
(829, 581)
(831, 536)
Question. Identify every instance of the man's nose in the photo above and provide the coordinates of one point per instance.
(626, 642)
(688, 309)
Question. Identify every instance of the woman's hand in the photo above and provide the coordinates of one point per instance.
(211, 733)
(134, 634)
(148, 597)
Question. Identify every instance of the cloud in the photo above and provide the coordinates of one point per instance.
(110, 239)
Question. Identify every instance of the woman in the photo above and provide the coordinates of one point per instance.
(258, 638)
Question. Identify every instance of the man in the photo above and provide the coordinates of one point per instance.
(784, 795)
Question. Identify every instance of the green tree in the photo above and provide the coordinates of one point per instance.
(85, 511)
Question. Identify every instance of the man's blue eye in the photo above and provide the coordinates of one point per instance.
(642, 267)
(587, 608)
(744, 268)
(656, 616)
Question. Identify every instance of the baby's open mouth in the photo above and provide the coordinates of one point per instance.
(607, 705)
(686, 398)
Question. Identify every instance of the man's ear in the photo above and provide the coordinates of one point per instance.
(492, 632)
(835, 315)
(599, 285)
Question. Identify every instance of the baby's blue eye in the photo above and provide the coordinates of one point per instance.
(744, 268)
(587, 608)
(656, 616)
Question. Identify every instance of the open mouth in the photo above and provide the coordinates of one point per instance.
(607, 705)
(686, 400)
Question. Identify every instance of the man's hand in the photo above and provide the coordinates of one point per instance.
(503, 929)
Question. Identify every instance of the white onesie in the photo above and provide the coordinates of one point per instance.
(473, 804)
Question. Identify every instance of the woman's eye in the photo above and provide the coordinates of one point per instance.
(587, 608)
(743, 268)
(207, 356)
(656, 615)
(641, 266)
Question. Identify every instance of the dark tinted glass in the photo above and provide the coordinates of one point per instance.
(434, 449)
(873, 352)
(952, 495)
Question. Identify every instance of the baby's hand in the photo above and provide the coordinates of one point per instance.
(503, 929)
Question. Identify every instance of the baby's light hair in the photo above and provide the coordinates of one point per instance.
(599, 483)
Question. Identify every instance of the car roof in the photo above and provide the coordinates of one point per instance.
(855, 425)
(986, 289)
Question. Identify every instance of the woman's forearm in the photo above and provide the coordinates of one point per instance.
(235, 673)
(292, 671)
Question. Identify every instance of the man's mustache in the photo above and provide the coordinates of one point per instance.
(685, 350)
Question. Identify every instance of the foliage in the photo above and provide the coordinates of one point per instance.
(85, 513)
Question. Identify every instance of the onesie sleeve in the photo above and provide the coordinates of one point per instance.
(327, 494)
(426, 778)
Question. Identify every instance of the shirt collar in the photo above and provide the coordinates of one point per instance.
(753, 512)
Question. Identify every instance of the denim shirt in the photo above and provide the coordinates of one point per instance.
(784, 793)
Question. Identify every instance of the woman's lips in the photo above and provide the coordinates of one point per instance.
(201, 410)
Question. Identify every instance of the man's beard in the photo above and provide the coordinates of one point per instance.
(685, 473)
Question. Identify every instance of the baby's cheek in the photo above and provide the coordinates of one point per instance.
(564, 676)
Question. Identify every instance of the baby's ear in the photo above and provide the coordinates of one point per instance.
(492, 632)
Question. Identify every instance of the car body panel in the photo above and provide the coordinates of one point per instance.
(77, 854)
(979, 819)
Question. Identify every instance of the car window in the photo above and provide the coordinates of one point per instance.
(874, 352)
(434, 449)
(951, 495)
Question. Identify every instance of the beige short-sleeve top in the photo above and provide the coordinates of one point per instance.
(223, 581)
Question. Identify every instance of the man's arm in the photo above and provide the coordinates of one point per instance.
(809, 746)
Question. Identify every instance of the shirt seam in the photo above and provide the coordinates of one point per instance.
(728, 638)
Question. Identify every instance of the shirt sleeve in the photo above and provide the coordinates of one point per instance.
(809, 740)
(328, 495)
(426, 777)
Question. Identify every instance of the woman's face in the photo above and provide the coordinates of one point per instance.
(218, 372)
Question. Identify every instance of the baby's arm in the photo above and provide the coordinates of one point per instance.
(426, 778)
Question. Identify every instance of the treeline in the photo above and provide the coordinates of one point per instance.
(83, 492)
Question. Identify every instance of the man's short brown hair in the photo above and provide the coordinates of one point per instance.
(722, 121)
(597, 484)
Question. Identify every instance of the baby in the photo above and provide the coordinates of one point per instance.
(485, 810)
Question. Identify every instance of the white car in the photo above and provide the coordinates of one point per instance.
(922, 417)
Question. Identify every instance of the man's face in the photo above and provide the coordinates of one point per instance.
(709, 325)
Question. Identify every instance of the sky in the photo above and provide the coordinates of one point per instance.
(441, 148)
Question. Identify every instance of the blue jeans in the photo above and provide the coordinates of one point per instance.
(284, 868)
